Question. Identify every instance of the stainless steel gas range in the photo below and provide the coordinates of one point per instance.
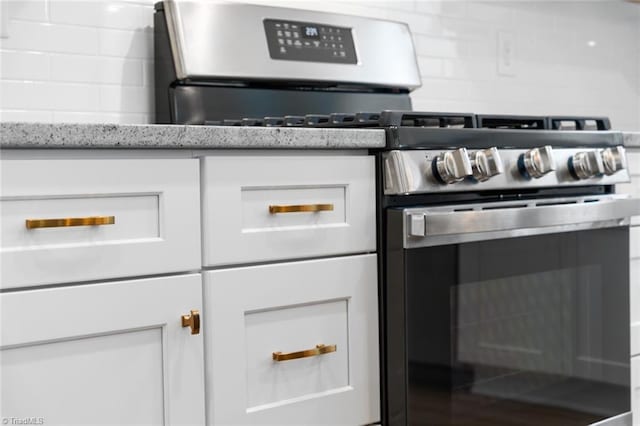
(505, 265)
(503, 246)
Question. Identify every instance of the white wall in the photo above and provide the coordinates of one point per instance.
(92, 61)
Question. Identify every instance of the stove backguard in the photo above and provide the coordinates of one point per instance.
(217, 61)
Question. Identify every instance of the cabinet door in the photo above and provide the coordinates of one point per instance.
(634, 280)
(110, 353)
(635, 390)
(265, 328)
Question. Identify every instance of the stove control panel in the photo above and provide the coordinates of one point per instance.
(435, 171)
(311, 42)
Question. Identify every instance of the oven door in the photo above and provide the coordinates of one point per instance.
(511, 313)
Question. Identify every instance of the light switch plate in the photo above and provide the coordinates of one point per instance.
(506, 53)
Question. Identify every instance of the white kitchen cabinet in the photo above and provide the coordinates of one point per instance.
(109, 353)
(150, 207)
(635, 390)
(91, 328)
(249, 207)
(633, 188)
(287, 308)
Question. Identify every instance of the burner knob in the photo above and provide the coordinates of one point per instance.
(486, 164)
(585, 165)
(536, 162)
(614, 160)
(452, 166)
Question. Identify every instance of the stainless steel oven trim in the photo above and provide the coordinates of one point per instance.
(619, 420)
(442, 225)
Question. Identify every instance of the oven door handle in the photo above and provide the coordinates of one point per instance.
(439, 226)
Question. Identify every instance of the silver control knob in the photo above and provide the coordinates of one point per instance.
(537, 162)
(614, 159)
(585, 165)
(486, 164)
(452, 166)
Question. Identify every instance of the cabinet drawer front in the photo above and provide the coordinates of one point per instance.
(633, 163)
(113, 353)
(634, 242)
(131, 217)
(274, 319)
(251, 207)
(634, 280)
(635, 390)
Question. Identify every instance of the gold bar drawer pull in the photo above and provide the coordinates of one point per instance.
(70, 221)
(300, 208)
(318, 350)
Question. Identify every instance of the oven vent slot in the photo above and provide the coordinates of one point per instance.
(468, 209)
(556, 203)
(515, 206)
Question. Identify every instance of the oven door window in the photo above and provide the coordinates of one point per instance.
(531, 330)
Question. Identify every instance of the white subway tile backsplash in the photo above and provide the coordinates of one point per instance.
(404, 5)
(95, 69)
(430, 67)
(425, 24)
(442, 7)
(497, 12)
(126, 44)
(26, 115)
(97, 117)
(438, 47)
(126, 99)
(48, 96)
(445, 89)
(18, 65)
(30, 10)
(476, 69)
(464, 28)
(98, 13)
(89, 61)
(45, 37)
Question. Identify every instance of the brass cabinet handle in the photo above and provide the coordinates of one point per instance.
(192, 320)
(70, 221)
(300, 208)
(318, 350)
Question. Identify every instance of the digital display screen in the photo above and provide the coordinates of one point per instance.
(311, 32)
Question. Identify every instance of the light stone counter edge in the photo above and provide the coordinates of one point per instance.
(87, 136)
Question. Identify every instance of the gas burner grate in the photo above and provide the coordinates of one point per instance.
(426, 120)
(513, 122)
(579, 123)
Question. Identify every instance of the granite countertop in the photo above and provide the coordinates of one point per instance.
(158, 136)
(632, 139)
(44, 135)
